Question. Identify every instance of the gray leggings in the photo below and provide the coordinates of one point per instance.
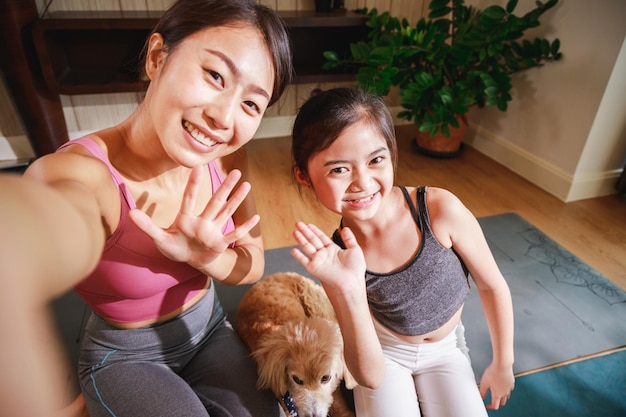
(193, 365)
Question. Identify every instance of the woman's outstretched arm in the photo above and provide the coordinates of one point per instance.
(51, 237)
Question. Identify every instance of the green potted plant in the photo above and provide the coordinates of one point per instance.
(456, 58)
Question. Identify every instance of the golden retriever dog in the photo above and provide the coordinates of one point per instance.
(289, 325)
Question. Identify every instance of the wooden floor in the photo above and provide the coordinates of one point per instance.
(593, 229)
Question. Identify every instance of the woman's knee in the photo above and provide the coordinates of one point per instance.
(135, 389)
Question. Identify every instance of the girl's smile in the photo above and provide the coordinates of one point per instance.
(352, 176)
(362, 202)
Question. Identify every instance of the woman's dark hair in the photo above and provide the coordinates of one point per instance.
(186, 17)
(326, 114)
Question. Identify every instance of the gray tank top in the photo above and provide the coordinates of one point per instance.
(424, 294)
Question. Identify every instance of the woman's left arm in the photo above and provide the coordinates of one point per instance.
(456, 224)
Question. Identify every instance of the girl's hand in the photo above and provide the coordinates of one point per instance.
(500, 381)
(342, 274)
(326, 261)
(198, 239)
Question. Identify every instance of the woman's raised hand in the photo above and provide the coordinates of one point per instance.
(198, 239)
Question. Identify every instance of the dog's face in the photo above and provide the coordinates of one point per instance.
(304, 358)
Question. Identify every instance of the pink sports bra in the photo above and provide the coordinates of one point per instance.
(133, 281)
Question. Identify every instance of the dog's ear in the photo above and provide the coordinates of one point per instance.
(272, 357)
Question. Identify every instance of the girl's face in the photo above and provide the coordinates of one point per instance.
(353, 175)
(208, 95)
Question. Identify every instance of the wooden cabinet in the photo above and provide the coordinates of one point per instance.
(98, 52)
(91, 52)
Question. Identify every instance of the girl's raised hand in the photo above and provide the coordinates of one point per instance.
(325, 260)
(198, 239)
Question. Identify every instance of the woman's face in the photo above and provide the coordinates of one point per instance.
(207, 96)
(353, 175)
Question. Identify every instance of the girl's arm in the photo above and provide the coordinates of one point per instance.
(342, 274)
(454, 225)
(198, 239)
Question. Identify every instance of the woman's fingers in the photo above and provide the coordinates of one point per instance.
(191, 190)
(243, 229)
(225, 201)
(145, 223)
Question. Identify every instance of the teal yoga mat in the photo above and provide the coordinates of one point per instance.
(563, 308)
(591, 388)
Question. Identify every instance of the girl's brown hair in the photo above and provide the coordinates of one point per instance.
(326, 114)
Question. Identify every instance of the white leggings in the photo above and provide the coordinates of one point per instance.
(428, 379)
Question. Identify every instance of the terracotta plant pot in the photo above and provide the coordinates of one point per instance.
(440, 146)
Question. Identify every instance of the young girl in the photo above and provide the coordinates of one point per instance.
(392, 269)
(141, 218)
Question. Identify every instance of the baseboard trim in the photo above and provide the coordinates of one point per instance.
(594, 185)
(550, 178)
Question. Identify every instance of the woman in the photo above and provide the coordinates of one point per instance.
(151, 213)
(394, 270)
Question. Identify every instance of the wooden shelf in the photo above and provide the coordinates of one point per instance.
(98, 52)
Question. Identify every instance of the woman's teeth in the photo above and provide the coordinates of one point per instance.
(197, 135)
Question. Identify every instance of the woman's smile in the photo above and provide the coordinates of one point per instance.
(198, 135)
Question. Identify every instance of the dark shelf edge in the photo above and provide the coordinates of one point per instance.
(147, 19)
(322, 78)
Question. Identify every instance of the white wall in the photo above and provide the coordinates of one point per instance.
(604, 154)
(546, 135)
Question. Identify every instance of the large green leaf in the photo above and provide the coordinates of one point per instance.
(437, 13)
(511, 5)
(494, 13)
